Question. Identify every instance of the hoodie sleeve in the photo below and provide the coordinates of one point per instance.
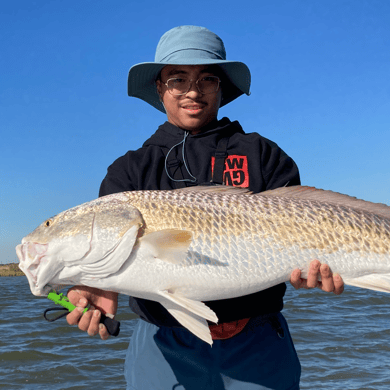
(279, 169)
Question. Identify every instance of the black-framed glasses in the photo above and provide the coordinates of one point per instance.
(180, 85)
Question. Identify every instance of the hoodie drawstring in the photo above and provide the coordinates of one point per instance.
(193, 180)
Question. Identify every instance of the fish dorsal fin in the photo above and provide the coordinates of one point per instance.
(312, 193)
(169, 245)
(217, 189)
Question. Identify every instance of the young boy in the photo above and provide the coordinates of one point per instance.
(189, 81)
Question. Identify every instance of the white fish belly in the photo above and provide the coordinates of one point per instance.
(212, 272)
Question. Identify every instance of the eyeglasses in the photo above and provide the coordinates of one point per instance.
(180, 86)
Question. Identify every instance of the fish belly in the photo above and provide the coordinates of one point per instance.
(237, 266)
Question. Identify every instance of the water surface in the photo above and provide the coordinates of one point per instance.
(342, 342)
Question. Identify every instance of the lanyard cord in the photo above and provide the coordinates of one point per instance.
(193, 180)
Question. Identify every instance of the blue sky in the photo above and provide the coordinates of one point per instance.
(320, 89)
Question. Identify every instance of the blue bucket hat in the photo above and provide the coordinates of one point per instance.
(188, 45)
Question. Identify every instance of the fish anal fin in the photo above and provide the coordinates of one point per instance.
(376, 282)
(169, 245)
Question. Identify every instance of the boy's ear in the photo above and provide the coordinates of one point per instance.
(158, 86)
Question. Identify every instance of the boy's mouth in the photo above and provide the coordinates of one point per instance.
(193, 108)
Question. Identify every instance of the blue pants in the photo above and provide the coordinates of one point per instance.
(262, 356)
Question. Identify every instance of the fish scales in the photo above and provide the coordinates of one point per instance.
(305, 223)
(187, 246)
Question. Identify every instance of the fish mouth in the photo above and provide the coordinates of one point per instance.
(31, 255)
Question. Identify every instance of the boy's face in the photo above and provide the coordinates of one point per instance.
(193, 110)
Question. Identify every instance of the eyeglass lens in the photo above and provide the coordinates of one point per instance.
(180, 86)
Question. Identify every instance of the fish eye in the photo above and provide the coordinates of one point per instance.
(48, 222)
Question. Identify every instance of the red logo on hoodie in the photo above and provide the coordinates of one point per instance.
(235, 171)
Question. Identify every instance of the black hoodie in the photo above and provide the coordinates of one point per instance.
(250, 161)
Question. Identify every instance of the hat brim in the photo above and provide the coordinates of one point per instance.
(142, 79)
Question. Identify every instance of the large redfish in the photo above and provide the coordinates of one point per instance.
(183, 247)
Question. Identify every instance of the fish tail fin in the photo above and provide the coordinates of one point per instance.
(376, 282)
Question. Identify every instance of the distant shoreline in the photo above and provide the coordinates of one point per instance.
(10, 269)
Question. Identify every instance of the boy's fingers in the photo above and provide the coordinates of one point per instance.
(295, 278)
(338, 284)
(73, 317)
(312, 275)
(85, 320)
(103, 332)
(326, 278)
(93, 324)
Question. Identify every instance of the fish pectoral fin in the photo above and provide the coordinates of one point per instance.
(169, 245)
(185, 311)
(376, 282)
